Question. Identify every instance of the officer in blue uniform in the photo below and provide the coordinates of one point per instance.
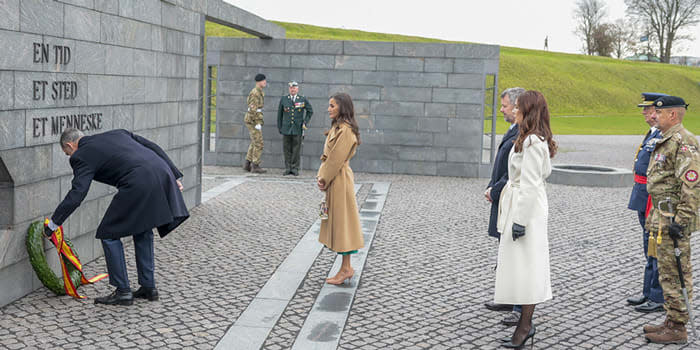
(652, 299)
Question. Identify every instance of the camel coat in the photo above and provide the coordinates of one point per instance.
(522, 275)
(341, 232)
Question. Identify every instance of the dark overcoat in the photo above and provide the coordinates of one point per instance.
(148, 196)
(499, 176)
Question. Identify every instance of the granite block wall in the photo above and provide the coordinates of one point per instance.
(420, 106)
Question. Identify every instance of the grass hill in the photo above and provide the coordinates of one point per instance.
(586, 94)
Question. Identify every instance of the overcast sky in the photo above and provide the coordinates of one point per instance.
(515, 23)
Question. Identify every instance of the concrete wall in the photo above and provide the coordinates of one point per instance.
(420, 106)
(132, 64)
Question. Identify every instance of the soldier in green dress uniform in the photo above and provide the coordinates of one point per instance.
(293, 114)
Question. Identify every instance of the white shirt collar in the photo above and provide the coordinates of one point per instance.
(511, 126)
(653, 128)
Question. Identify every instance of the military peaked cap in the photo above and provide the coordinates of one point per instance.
(670, 102)
(648, 98)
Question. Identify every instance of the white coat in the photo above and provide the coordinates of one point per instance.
(522, 274)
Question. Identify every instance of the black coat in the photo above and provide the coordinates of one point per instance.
(499, 176)
(144, 176)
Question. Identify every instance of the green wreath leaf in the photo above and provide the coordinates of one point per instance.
(37, 258)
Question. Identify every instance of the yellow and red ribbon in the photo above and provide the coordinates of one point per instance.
(65, 251)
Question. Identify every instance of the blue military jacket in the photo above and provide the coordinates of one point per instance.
(638, 199)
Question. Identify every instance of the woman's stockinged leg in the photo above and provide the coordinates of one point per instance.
(524, 324)
(346, 271)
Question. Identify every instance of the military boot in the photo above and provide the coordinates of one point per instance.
(257, 169)
(655, 328)
(246, 166)
(672, 333)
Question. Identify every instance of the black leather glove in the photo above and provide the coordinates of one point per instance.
(675, 231)
(518, 231)
(47, 231)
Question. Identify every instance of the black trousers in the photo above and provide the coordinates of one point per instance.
(291, 146)
(116, 264)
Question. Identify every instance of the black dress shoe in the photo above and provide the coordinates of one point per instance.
(636, 300)
(295, 173)
(147, 293)
(650, 306)
(511, 319)
(287, 172)
(116, 298)
(498, 307)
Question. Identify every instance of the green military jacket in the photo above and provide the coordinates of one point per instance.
(256, 102)
(290, 115)
(673, 174)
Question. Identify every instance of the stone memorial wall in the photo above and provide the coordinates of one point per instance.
(95, 65)
(420, 106)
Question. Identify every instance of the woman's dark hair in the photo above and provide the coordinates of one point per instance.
(346, 113)
(535, 112)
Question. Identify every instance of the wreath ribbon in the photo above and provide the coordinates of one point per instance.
(65, 251)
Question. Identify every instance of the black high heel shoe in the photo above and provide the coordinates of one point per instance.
(530, 334)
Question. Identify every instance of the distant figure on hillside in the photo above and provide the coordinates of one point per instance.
(546, 43)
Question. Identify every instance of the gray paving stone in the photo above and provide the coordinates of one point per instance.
(9, 15)
(81, 23)
(10, 123)
(356, 62)
(315, 61)
(142, 10)
(369, 48)
(41, 17)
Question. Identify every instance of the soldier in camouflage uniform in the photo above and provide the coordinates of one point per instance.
(673, 174)
(254, 123)
(293, 114)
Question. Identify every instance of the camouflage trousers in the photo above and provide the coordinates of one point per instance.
(668, 276)
(256, 144)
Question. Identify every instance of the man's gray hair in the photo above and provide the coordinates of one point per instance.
(70, 135)
(513, 93)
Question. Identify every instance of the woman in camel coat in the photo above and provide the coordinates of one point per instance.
(341, 231)
(523, 274)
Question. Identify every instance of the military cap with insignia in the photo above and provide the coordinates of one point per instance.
(670, 102)
(648, 98)
(293, 83)
(260, 77)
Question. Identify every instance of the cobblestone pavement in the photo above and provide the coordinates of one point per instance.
(427, 276)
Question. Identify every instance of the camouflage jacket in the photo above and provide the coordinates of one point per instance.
(673, 173)
(256, 101)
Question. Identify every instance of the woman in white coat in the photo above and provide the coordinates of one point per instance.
(522, 276)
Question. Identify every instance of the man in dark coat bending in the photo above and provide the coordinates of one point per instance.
(149, 195)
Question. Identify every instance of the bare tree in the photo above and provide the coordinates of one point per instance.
(624, 37)
(667, 19)
(588, 15)
(603, 39)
